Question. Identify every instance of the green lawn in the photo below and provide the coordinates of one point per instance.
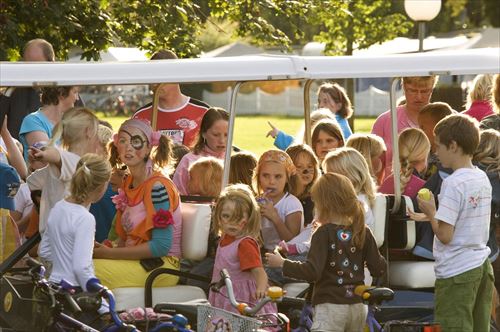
(250, 131)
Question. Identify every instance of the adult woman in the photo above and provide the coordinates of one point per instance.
(211, 141)
(148, 219)
(37, 126)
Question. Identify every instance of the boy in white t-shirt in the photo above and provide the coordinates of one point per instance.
(464, 276)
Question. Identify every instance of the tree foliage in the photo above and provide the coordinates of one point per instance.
(94, 25)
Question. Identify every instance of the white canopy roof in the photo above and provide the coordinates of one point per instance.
(250, 68)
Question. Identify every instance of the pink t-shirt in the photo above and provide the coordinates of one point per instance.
(382, 128)
(480, 109)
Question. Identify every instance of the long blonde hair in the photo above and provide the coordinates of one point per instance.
(350, 163)
(245, 206)
(369, 145)
(76, 125)
(480, 90)
(334, 197)
(92, 172)
(488, 150)
(414, 146)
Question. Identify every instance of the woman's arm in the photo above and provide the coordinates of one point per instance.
(36, 136)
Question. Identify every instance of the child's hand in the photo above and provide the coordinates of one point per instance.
(273, 132)
(45, 155)
(428, 207)
(417, 216)
(268, 210)
(260, 293)
(274, 259)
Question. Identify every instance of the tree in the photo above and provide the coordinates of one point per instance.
(350, 25)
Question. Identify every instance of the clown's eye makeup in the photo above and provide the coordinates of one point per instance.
(137, 142)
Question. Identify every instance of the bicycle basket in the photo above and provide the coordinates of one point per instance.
(215, 319)
(17, 302)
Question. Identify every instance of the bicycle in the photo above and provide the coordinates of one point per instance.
(60, 303)
(274, 294)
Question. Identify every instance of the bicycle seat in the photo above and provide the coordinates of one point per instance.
(374, 295)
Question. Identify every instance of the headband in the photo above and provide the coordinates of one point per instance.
(144, 126)
(279, 157)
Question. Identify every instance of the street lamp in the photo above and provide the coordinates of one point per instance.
(422, 11)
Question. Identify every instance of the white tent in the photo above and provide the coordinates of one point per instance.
(116, 54)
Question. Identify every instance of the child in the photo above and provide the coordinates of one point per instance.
(282, 214)
(464, 277)
(77, 132)
(326, 136)
(414, 149)
(334, 97)
(237, 215)
(242, 168)
(350, 163)
(340, 247)
(282, 140)
(373, 148)
(308, 172)
(205, 177)
(69, 237)
(307, 167)
(428, 117)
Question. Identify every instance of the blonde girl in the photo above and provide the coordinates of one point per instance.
(334, 97)
(350, 163)
(237, 216)
(326, 136)
(414, 148)
(69, 238)
(479, 97)
(282, 140)
(205, 177)
(340, 248)
(282, 213)
(77, 134)
(373, 148)
(148, 217)
(242, 168)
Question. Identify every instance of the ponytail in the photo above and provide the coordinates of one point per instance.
(92, 171)
(163, 152)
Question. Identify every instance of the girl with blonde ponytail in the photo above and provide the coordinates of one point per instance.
(414, 147)
(74, 136)
(69, 237)
(340, 248)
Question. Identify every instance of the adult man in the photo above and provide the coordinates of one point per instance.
(16, 103)
(179, 116)
(417, 91)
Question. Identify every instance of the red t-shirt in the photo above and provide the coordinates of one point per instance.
(248, 252)
(181, 124)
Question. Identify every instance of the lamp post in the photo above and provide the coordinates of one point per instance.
(422, 11)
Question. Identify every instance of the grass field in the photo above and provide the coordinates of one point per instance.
(250, 131)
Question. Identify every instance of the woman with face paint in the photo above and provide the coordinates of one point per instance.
(211, 142)
(148, 219)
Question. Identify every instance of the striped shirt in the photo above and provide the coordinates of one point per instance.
(465, 203)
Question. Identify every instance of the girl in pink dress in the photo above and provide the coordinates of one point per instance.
(237, 216)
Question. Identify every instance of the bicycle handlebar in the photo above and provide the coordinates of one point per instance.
(274, 294)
